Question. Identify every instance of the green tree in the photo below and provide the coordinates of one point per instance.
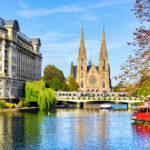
(37, 92)
(73, 85)
(51, 71)
(143, 88)
(116, 88)
(64, 87)
(55, 83)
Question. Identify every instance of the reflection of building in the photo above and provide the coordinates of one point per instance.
(20, 59)
(91, 77)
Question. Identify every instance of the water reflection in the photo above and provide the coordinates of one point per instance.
(72, 129)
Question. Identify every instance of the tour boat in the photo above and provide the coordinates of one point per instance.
(142, 113)
(105, 106)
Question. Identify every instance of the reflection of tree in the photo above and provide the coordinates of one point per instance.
(20, 130)
(11, 131)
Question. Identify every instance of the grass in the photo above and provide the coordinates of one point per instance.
(3, 105)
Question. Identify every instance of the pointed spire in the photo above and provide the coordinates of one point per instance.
(82, 36)
(103, 38)
(82, 50)
(71, 70)
(103, 45)
(90, 61)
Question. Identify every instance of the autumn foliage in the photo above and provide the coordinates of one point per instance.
(137, 66)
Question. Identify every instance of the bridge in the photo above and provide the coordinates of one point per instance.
(82, 98)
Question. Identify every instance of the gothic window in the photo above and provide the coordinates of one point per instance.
(92, 80)
(82, 84)
(82, 64)
(103, 84)
(103, 75)
(103, 64)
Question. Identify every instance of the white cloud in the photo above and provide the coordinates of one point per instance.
(62, 9)
(45, 11)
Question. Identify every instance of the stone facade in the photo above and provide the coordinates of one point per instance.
(91, 77)
(20, 59)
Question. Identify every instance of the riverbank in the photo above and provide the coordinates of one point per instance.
(24, 109)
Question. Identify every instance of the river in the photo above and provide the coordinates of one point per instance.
(72, 129)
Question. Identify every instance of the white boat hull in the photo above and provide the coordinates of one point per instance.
(105, 106)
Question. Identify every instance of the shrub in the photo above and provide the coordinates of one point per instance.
(10, 105)
(99, 98)
(78, 98)
(88, 98)
(23, 103)
(72, 97)
(3, 105)
(84, 98)
(67, 98)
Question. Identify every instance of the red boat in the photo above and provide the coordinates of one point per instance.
(142, 113)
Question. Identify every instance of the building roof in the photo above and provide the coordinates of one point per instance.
(75, 70)
(12, 23)
(36, 41)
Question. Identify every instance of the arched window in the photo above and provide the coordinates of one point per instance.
(82, 84)
(103, 84)
(103, 64)
(103, 75)
(81, 63)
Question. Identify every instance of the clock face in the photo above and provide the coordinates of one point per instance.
(92, 80)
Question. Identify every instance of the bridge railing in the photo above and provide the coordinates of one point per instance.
(97, 94)
(100, 98)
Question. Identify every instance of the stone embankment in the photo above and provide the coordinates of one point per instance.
(25, 109)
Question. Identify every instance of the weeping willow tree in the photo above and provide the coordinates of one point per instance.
(45, 98)
(37, 92)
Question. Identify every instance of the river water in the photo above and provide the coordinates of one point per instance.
(75, 129)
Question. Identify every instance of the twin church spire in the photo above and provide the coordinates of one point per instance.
(82, 50)
(91, 77)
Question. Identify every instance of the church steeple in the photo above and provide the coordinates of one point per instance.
(82, 37)
(103, 45)
(104, 73)
(90, 60)
(82, 50)
(82, 64)
(71, 70)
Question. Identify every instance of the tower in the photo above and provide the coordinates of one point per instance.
(82, 65)
(104, 71)
(71, 70)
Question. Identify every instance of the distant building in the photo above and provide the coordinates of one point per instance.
(92, 78)
(20, 59)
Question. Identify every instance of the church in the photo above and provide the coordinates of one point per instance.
(92, 78)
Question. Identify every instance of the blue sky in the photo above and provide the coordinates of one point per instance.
(58, 23)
